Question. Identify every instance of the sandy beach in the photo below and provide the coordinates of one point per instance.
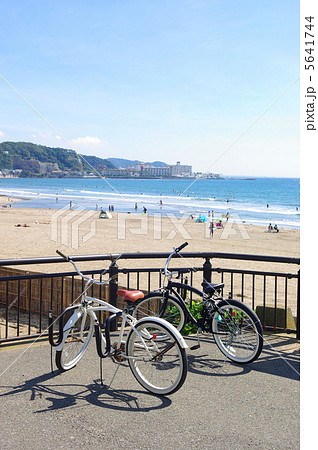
(82, 233)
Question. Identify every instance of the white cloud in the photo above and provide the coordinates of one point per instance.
(88, 140)
(89, 145)
(45, 135)
(2, 133)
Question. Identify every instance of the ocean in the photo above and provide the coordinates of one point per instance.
(258, 201)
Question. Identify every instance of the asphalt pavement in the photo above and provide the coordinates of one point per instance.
(221, 404)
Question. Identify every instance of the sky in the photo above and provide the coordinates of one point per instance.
(209, 83)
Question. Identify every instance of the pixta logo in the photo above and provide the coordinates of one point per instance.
(68, 226)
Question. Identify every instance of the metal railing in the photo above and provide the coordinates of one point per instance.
(26, 297)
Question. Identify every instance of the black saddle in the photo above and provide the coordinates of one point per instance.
(211, 288)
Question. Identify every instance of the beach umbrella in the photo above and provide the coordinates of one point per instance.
(201, 219)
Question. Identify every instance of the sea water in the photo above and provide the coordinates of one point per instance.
(258, 201)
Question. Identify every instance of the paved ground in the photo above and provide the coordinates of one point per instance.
(221, 405)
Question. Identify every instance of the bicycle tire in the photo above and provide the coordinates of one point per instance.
(78, 332)
(241, 333)
(151, 305)
(167, 371)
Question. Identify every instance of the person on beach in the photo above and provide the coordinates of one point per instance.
(276, 228)
(144, 210)
(270, 228)
(136, 206)
(211, 226)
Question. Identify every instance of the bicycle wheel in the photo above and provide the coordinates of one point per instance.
(237, 331)
(153, 305)
(77, 333)
(160, 366)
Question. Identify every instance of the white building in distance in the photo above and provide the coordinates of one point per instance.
(180, 170)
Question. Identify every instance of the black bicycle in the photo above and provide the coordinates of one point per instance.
(236, 328)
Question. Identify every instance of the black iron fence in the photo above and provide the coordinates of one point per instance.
(27, 297)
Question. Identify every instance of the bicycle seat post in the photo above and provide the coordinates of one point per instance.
(113, 288)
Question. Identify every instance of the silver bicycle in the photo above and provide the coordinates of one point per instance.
(154, 349)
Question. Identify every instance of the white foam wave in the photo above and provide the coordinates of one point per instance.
(252, 213)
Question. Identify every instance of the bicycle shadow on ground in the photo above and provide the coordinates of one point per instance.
(203, 362)
(280, 357)
(72, 395)
(205, 365)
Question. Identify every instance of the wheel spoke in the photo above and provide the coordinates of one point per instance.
(243, 341)
(165, 372)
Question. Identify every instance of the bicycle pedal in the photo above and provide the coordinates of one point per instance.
(195, 347)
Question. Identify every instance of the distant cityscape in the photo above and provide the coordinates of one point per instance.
(147, 170)
(141, 170)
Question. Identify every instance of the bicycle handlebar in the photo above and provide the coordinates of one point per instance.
(67, 258)
(62, 254)
(178, 249)
(175, 251)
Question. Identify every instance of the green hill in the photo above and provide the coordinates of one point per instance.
(97, 163)
(120, 162)
(35, 160)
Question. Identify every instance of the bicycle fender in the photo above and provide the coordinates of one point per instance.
(168, 325)
(71, 321)
(60, 322)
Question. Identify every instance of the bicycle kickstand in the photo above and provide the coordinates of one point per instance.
(113, 377)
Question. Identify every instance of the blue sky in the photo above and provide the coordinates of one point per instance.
(156, 80)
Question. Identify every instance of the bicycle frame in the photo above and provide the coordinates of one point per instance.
(169, 288)
(177, 285)
(91, 310)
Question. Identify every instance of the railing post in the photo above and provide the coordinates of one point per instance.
(113, 288)
(207, 270)
(298, 307)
